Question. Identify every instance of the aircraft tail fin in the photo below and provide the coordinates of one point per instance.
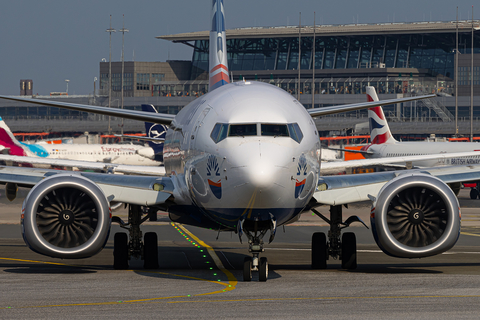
(8, 141)
(218, 64)
(379, 129)
(155, 131)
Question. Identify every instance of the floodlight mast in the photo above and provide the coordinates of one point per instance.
(110, 30)
(123, 30)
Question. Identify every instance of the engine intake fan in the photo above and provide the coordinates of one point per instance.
(66, 216)
(415, 215)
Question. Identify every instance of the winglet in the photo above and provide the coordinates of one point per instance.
(379, 129)
(218, 47)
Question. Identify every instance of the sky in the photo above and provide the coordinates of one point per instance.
(50, 41)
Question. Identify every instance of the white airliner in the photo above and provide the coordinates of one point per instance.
(246, 158)
(383, 145)
(126, 154)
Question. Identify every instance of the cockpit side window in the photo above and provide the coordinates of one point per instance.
(295, 132)
(298, 132)
(275, 130)
(242, 130)
(219, 132)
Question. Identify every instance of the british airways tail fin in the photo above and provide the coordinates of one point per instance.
(8, 141)
(218, 47)
(379, 130)
(155, 131)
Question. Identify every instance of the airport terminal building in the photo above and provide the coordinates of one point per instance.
(399, 59)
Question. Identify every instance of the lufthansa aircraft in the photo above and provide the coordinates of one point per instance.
(246, 158)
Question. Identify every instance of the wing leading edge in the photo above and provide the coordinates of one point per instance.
(344, 189)
(160, 118)
(317, 112)
(88, 165)
(139, 190)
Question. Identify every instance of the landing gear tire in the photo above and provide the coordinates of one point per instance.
(349, 251)
(247, 269)
(319, 251)
(120, 251)
(150, 251)
(263, 270)
(473, 193)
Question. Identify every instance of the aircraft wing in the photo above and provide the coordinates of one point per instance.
(87, 165)
(167, 119)
(140, 190)
(348, 150)
(160, 118)
(344, 189)
(140, 138)
(335, 167)
(317, 112)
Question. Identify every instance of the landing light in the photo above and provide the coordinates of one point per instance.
(322, 187)
(158, 187)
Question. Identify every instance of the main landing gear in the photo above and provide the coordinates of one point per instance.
(338, 245)
(255, 231)
(131, 245)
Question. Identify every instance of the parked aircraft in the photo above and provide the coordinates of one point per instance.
(129, 154)
(246, 158)
(384, 145)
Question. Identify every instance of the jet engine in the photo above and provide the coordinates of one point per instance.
(66, 216)
(414, 216)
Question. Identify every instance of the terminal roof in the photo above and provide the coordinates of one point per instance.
(332, 30)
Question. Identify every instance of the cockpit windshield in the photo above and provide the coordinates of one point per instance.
(242, 130)
(222, 130)
(275, 130)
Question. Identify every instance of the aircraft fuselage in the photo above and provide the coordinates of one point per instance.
(256, 173)
(400, 149)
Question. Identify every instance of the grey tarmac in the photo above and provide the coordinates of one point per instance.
(200, 277)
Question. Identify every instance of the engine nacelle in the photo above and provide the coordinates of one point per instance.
(66, 216)
(414, 216)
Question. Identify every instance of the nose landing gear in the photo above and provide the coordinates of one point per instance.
(255, 231)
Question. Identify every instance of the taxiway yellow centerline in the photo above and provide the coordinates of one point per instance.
(232, 281)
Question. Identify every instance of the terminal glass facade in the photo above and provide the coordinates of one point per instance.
(434, 52)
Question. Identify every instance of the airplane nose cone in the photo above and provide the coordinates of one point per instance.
(262, 174)
(265, 173)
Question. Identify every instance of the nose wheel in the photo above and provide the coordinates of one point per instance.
(249, 266)
(255, 231)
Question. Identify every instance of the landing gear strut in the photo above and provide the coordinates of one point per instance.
(131, 245)
(338, 246)
(255, 234)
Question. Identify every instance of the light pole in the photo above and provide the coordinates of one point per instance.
(299, 52)
(456, 79)
(110, 30)
(94, 89)
(471, 87)
(123, 30)
(67, 81)
(313, 64)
